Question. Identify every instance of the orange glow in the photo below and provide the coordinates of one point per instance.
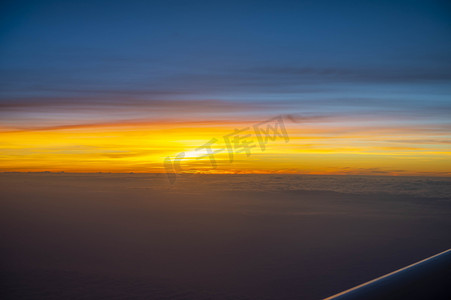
(143, 146)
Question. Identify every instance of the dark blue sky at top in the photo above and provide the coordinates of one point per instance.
(374, 53)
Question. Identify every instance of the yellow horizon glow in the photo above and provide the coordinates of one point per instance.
(142, 147)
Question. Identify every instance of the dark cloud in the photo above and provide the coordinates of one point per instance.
(353, 75)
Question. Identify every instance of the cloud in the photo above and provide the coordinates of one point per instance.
(356, 75)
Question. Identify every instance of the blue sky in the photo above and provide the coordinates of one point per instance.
(306, 57)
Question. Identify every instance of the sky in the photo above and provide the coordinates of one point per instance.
(362, 87)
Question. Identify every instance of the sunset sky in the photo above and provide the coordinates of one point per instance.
(363, 87)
